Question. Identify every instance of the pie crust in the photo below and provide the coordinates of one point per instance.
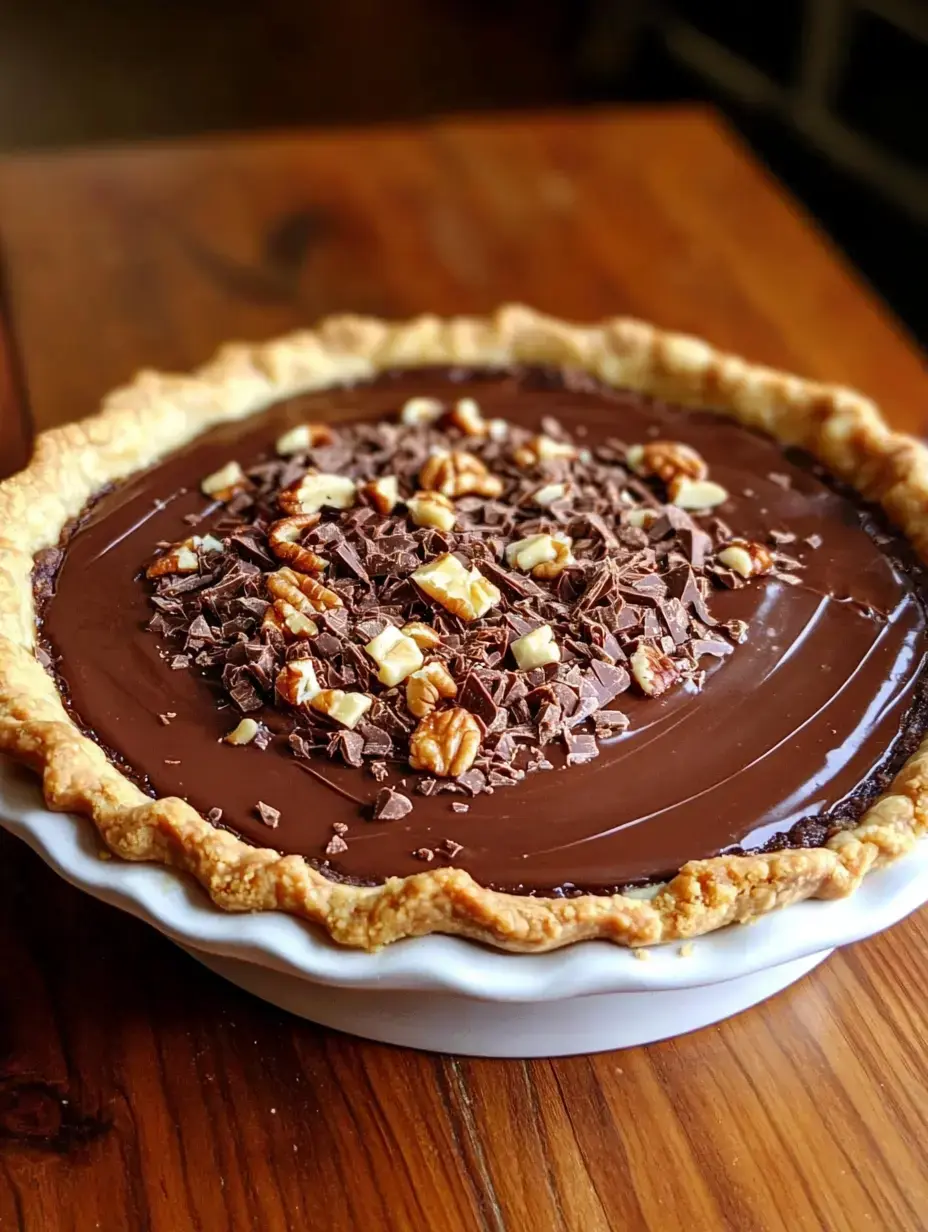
(157, 414)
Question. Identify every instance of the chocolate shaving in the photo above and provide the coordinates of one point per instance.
(270, 816)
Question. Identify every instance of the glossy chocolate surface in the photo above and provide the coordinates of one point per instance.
(791, 726)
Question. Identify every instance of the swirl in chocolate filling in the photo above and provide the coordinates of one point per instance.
(692, 709)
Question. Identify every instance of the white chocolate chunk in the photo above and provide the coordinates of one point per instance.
(225, 482)
(536, 649)
(550, 493)
(297, 440)
(432, 509)
(696, 494)
(395, 654)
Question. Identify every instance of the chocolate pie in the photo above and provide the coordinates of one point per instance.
(507, 628)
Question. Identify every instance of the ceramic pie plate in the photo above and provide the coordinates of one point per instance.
(451, 995)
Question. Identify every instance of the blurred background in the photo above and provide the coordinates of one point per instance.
(831, 94)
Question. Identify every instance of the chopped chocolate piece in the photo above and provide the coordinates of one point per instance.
(608, 681)
(447, 846)
(710, 646)
(214, 816)
(270, 816)
(263, 737)
(349, 745)
(675, 617)
(737, 630)
(180, 661)
(427, 787)
(379, 769)
(473, 781)
(458, 806)
(391, 805)
(782, 537)
(475, 697)
(377, 742)
(348, 558)
(814, 541)
(782, 481)
(339, 827)
(581, 748)
(549, 722)
(335, 846)
(424, 853)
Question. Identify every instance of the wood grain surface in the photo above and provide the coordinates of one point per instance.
(138, 1091)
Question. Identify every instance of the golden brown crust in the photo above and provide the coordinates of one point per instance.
(156, 414)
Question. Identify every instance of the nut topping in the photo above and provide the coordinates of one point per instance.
(459, 473)
(667, 460)
(536, 649)
(432, 509)
(653, 672)
(383, 493)
(544, 556)
(696, 494)
(316, 491)
(746, 558)
(284, 536)
(348, 709)
(425, 637)
(243, 734)
(183, 557)
(467, 417)
(445, 743)
(464, 592)
(303, 437)
(426, 688)
(420, 412)
(550, 493)
(543, 448)
(395, 654)
(296, 682)
(225, 483)
(302, 592)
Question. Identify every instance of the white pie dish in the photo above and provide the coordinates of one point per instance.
(450, 994)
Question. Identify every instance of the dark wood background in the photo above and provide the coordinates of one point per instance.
(138, 1091)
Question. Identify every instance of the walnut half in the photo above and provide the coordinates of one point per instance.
(445, 743)
(426, 688)
(654, 673)
(459, 474)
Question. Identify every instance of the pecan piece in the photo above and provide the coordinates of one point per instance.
(544, 556)
(459, 474)
(464, 592)
(225, 483)
(420, 412)
(425, 637)
(467, 417)
(303, 437)
(316, 491)
(543, 448)
(183, 557)
(653, 671)
(302, 592)
(283, 539)
(745, 557)
(432, 509)
(296, 682)
(383, 493)
(445, 743)
(426, 688)
(667, 460)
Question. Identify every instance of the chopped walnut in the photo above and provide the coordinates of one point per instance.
(316, 491)
(667, 460)
(746, 558)
(395, 654)
(653, 671)
(285, 618)
(545, 556)
(348, 709)
(466, 416)
(303, 437)
(459, 474)
(225, 483)
(641, 518)
(543, 448)
(445, 743)
(419, 412)
(536, 649)
(425, 637)
(183, 557)
(383, 493)
(464, 592)
(296, 682)
(432, 509)
(283, 539)
(243, 734)
(696, 494)
(426, 687)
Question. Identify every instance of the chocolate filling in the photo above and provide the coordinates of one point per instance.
(771, 745)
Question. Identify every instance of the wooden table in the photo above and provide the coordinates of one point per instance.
(136, 1090)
